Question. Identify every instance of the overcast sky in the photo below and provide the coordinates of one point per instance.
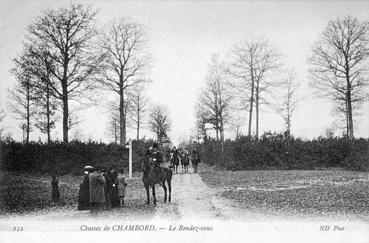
(182, 37)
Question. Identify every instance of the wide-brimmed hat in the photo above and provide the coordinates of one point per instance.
(88, 168)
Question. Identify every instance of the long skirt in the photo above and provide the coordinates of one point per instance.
(84, 197)
(114, 196)
(107, 199)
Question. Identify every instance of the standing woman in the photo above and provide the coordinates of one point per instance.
(122, 184)
(195, 160)
(84, 190)
(107, 183)
(97, 192)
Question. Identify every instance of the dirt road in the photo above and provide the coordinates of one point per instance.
(193, 199)
(193, 203)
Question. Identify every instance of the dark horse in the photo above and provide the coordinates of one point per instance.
(152, 175)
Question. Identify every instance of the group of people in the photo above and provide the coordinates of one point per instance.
(101, 189)
(181, 156)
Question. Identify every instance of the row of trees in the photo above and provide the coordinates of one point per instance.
(66, 59)
(254, 74)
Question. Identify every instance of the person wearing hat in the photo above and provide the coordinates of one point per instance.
(156, 156)
(195, 159)
(175, 158)
(84, 190)
(122, 185)
(97, 192)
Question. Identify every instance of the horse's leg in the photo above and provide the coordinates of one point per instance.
(153, 193)
(165, 192)
(170, 190)
(147, 188)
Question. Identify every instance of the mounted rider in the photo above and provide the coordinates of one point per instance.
(156, 156)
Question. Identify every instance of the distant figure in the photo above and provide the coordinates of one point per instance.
(175, 159)
(84, 190)
(185, 161)
(97, 192)
(195, 160)
(55, 194)
(122, 185)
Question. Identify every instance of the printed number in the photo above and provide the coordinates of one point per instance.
(18, 228)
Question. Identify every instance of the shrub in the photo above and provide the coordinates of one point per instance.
(66, 158)
(274, 151)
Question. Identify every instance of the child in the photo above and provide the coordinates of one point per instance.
(55, 194)
(121, 187)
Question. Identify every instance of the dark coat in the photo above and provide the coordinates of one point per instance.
(84, 194)
(55, 194)
(112, 184)
(175, 158)
(157, 157)
(185, 160)
(97, 191)
(195, 157)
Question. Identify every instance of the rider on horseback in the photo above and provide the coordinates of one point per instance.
(156, 156)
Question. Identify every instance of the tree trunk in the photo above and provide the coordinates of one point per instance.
(28, 113)
(48, 111)
(138, 128)
(115, 132)
(122, 117)
(138, 118)
(251, 101)
(289, 113)
(217, 133)
(349, 112)
(65, 116)
(347, 118)
(257, 109)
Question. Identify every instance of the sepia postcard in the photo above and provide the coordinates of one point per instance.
(184, 121)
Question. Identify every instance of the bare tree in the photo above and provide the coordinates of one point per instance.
(254, 60)
(39, 64)
(114, 117)
(113, 126)
(200, 128)
(159, 122)
(139, 103)
(214, 98)
(339, 65)
(236, 123)
(288, 88)
(22, 96)
(67, 34)
(125, 63)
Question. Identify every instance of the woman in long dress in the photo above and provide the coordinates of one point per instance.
(122, 184)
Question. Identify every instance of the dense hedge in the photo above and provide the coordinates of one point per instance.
(275, 151)
(66, 158)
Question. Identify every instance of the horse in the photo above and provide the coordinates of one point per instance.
(185, 162)
(152, 175)
(174, 160)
